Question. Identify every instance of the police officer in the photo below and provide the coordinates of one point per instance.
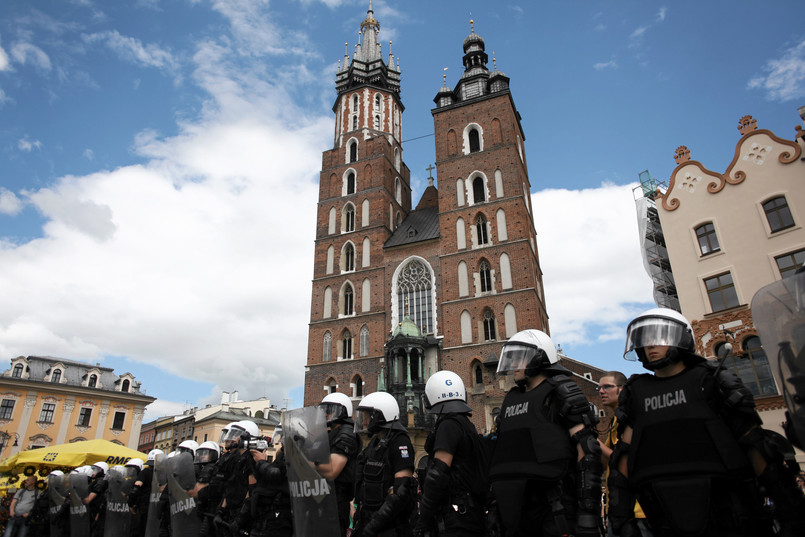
(344, 448)
(140, 493)
(96, 499)
(454, 488)
(691, 444)
(546, 467)
(237, 470)
(384, 485)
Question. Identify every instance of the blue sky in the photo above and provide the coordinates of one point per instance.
(159, 161)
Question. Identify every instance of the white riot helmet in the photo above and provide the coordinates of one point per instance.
(530, 350)
(152, 455)
(188, 446)
(659, 327)
(208, 451)
(56, 473)
(337, 407)
(99, 468)
(224, 432)
(445, 394)
(378, 410)
(135, 463)
(239, 433)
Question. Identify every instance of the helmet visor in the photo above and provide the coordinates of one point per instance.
(233, 436)
(652, 332)
(333, 411)
(365, 418)
(205, 455)
(515, 357)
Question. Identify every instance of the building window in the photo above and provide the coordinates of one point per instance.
(354, 102)
(377, 122)
(486, 276)
(708, 241)
(721, 291)
(55, 377)
(358, 386)
(93, 381)
(480, 227)
(46, 415)
(349, 258)
(84, 417)
(17, 371)
(347, 342)
(752, 367)
(353, 153)
(125, 386)
(354, 122)
(475, 140)
(327, 347)
(788, 264)
(365, 341)
(351, 179)
(489, 326)
(478, 190)
(349, 301)
(349, 218)
(6, 409)
(479, 375)
(414, 295)
(120, 419)
(778, 214)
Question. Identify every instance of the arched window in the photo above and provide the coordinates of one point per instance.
(327, 310)
(326, 349)
(478, 375)
(478, 190)
(331, 386)
(55, 377)
(353, 152)
(503, 232)
(778, 214)
(481, 230)
(708, 240)
(125, 386)
(358, 383)
(461, 238)
(365, 341)
(331, 221)
(355, 122)
(365, 213)
(377, 122)
(475, 140)
(17, 371)
(330, 259)
(377, 100)
(460, 192)
(414, 295)
(346, 341)
(505, 271)
(93, 381)
(354, 103)
(351, 180)
(463, 279)
(466, 327)
(398, 190)
(349, 300)
(490, 334)
(510, 318)
(348, 216)
(348, 258)
(485, 274)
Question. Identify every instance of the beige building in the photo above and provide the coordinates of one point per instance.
(48, 401)
(728, 234)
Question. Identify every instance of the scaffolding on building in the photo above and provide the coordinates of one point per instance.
(652, 242)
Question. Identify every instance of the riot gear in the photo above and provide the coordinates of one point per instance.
(659, 327)
(188, 446)
(136, 463)
(532, 351)
(207, 452)
(337, 407)
(376, 411)
(153, 455)
(445, 393)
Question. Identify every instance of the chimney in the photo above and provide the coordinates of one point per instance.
(234, 397)
(224, 397)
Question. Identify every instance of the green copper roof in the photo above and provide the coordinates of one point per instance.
(406, 328)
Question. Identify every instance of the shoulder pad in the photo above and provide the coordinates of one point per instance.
(735, 394)
(573, 405)
(346, 443)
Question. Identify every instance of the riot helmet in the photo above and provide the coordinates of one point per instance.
(376, 411)
(659, 327)
(445, 394)
(99, 469)
(56, 473)
(152, 455)
(337, 407)
(188, 446)
(208, 451)
(224, 432)
(135, 463)
(531, 351)
(239, 433)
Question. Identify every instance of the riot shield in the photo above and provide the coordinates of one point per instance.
(185, 519)
(58, 490)
(778, 311)
(313, 497)
(118, 516)
(159, 480)
(79, 513)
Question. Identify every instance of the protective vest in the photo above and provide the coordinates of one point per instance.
(345, 440)
(271, 501)
(676, 431)
(466, 466)
(373, 475)
(529, 444)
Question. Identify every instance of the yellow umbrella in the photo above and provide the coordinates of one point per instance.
(72, 455)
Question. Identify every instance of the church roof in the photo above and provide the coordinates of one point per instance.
(420, 225)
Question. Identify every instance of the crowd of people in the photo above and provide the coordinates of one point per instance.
(684, 456)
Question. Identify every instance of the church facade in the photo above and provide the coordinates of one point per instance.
(402, 290)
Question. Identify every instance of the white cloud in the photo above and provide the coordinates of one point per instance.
(785, 80)
(5, 64)
(29, 53)
(605, 65)
(24, 144)
(593, 271)
(134, 51)
(89, 154)
(662, 13)
(10, 204)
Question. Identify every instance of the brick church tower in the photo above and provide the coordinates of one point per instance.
(400, 292)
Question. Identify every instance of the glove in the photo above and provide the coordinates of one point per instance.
(587, 525)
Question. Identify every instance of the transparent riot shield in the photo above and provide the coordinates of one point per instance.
(118, 516)
(158, 481)
(185, 517)
(59, 509)
(778, 311)
(79, 513)
(312, 496)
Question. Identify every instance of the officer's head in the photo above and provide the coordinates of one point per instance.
(188, 446)
(376, 411)
(152, 456)
(659, 337)
(337, 407)
(238, 434)
(99, 469)
(445, 394)
(207, 452)
(526, 354)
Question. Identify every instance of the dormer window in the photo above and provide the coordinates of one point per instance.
(17, 371)
(55, 376)
(125, 386)
(93, 381)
